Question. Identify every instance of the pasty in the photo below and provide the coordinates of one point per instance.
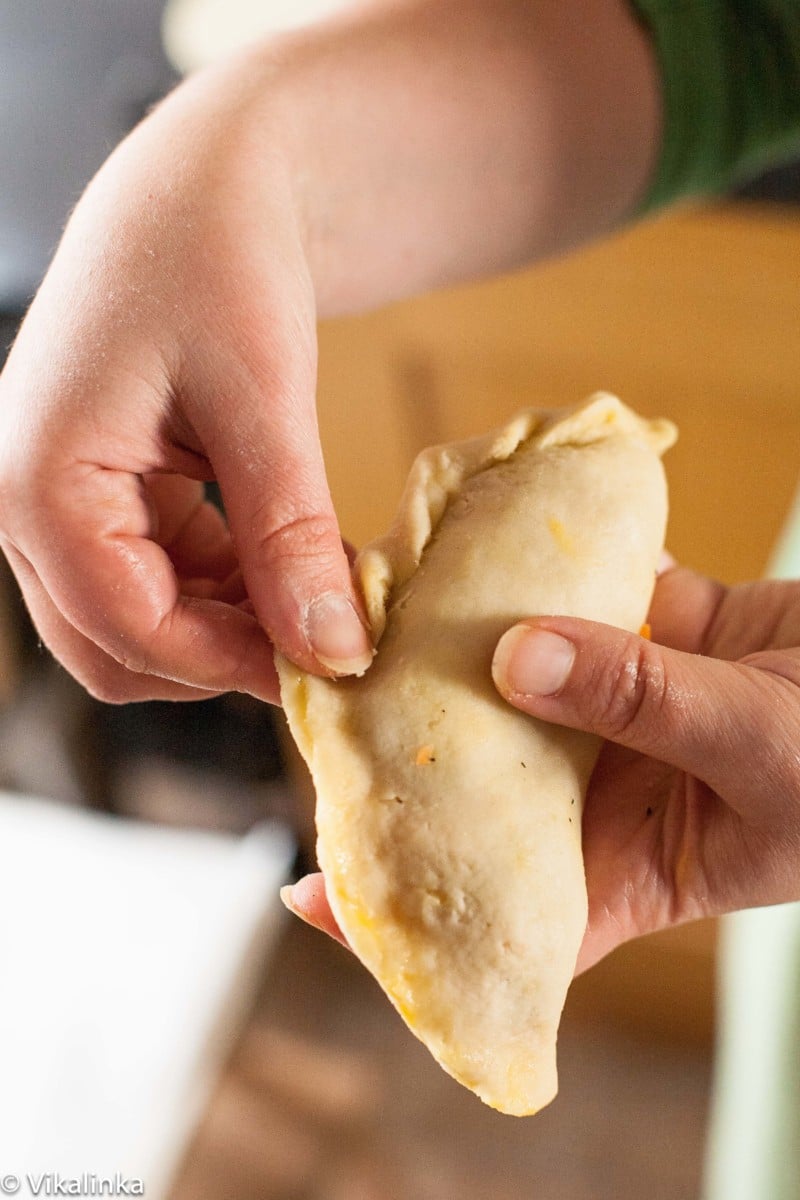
(449, 824)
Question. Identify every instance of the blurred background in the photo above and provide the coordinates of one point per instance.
(312, 1088)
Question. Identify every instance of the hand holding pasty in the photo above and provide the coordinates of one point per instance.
(449, 824)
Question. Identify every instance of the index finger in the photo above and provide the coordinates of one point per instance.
(114, 584)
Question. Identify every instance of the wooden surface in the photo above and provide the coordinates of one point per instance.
(692, 317)
(330, 1097)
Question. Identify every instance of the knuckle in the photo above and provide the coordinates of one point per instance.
(304, 538)
(132, 658)
(107, 691)
(630, 694)
(106, 684)
(238, 678)
(146, 647)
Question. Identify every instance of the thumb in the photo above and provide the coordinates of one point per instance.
(716, 720)
(267, 458)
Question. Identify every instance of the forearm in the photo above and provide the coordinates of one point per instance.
(440, 140)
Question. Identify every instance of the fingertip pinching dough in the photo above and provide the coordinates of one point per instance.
(449, 824)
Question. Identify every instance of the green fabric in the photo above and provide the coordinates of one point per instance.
(731, 86)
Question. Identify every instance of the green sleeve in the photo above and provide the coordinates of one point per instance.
(731, 88)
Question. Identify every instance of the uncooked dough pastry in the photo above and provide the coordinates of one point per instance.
(449, 823)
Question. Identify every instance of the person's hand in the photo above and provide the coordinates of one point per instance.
(694, 806)
(173, 341)
(399, 148)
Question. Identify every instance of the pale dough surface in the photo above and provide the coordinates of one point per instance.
(448, 822)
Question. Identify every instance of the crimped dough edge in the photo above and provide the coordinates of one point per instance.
(439, 473)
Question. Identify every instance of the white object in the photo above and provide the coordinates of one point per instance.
(754, 1139)
(198, 31)
(129, 955)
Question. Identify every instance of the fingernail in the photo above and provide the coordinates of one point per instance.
(291, 900)
(335, 633)
(532, 662)
(303, 894)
